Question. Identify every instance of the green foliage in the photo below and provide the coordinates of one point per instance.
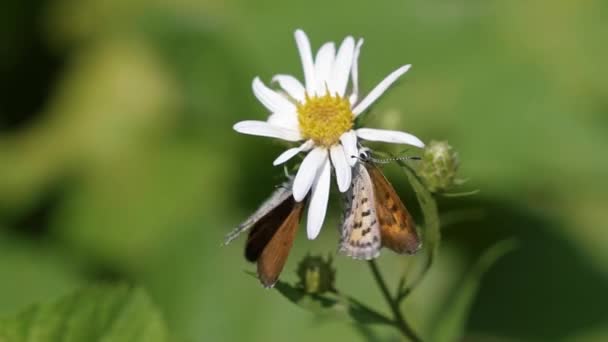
(96, 313)
(431, 233)
(123, 163)
(331, 305)
(451, 325)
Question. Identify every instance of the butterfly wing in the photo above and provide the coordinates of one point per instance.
(274, 255)
(265, 229)
(271, 238)
(278, 197)
(397, 228)
(360, 229)
(273, 227)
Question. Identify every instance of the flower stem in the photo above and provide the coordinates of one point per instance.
(399, 320)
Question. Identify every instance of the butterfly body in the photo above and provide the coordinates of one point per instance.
(375, 217)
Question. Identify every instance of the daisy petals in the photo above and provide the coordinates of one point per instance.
(318, 202)
(342, 66)
(284, 120)
(349, 143)
(291, 85)
(285, 156)
(388, 136)
(272, 100)
(265, 129)
(343, 170)
(380, 89)
(354, 73)
(306, 56)
(307, 172)
(323, 64)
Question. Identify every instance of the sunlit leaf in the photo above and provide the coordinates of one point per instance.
(97, 313)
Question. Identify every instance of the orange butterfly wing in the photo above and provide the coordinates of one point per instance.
(271, 239)
(397, 228)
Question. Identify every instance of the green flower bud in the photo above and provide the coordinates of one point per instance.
(316, 275)
(439, 166)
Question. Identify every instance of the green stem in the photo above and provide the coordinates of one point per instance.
(399, 320)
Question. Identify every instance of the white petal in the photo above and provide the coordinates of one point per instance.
(323, 65)
(265, 129)
(354, 73)
(380, 89)
(343, 170)
(384, 135)
(306, 56)
(272, 100)
(308, 172)
(291, 85)
(349, 143)
(284, 120)
(285, 156)
(342, 65)
(318, 202)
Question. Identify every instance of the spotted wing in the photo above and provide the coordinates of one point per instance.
(360, 229)
(397, 227)
(278, 197)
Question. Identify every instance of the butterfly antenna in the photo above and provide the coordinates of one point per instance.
(366, 156)
(389, 160)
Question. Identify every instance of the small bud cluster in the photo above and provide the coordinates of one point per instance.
(439, 166)
(316, 274)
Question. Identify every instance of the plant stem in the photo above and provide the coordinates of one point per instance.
(399, 320)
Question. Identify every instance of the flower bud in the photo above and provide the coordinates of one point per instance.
(316, 275)
(439, 166)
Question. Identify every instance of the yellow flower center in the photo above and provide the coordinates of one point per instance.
(324, 118)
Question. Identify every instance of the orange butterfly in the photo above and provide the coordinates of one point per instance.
(375, 216)
(273, 229)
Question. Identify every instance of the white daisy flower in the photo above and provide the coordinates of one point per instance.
(320, 113)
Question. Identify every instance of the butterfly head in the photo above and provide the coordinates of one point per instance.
(365, 155)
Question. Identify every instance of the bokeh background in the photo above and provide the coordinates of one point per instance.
(118, 160)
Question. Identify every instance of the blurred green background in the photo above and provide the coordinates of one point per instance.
(118, 160)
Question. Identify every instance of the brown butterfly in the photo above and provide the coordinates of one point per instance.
(375, 216)
(273, 229)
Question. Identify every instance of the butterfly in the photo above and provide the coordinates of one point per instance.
(273, 227)
(375, 216)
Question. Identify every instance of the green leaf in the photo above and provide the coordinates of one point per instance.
(460, 194)
(431, 234)
(332, 305)
(95, 313)
(451, 323)
(361, 313)
(317, 303)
